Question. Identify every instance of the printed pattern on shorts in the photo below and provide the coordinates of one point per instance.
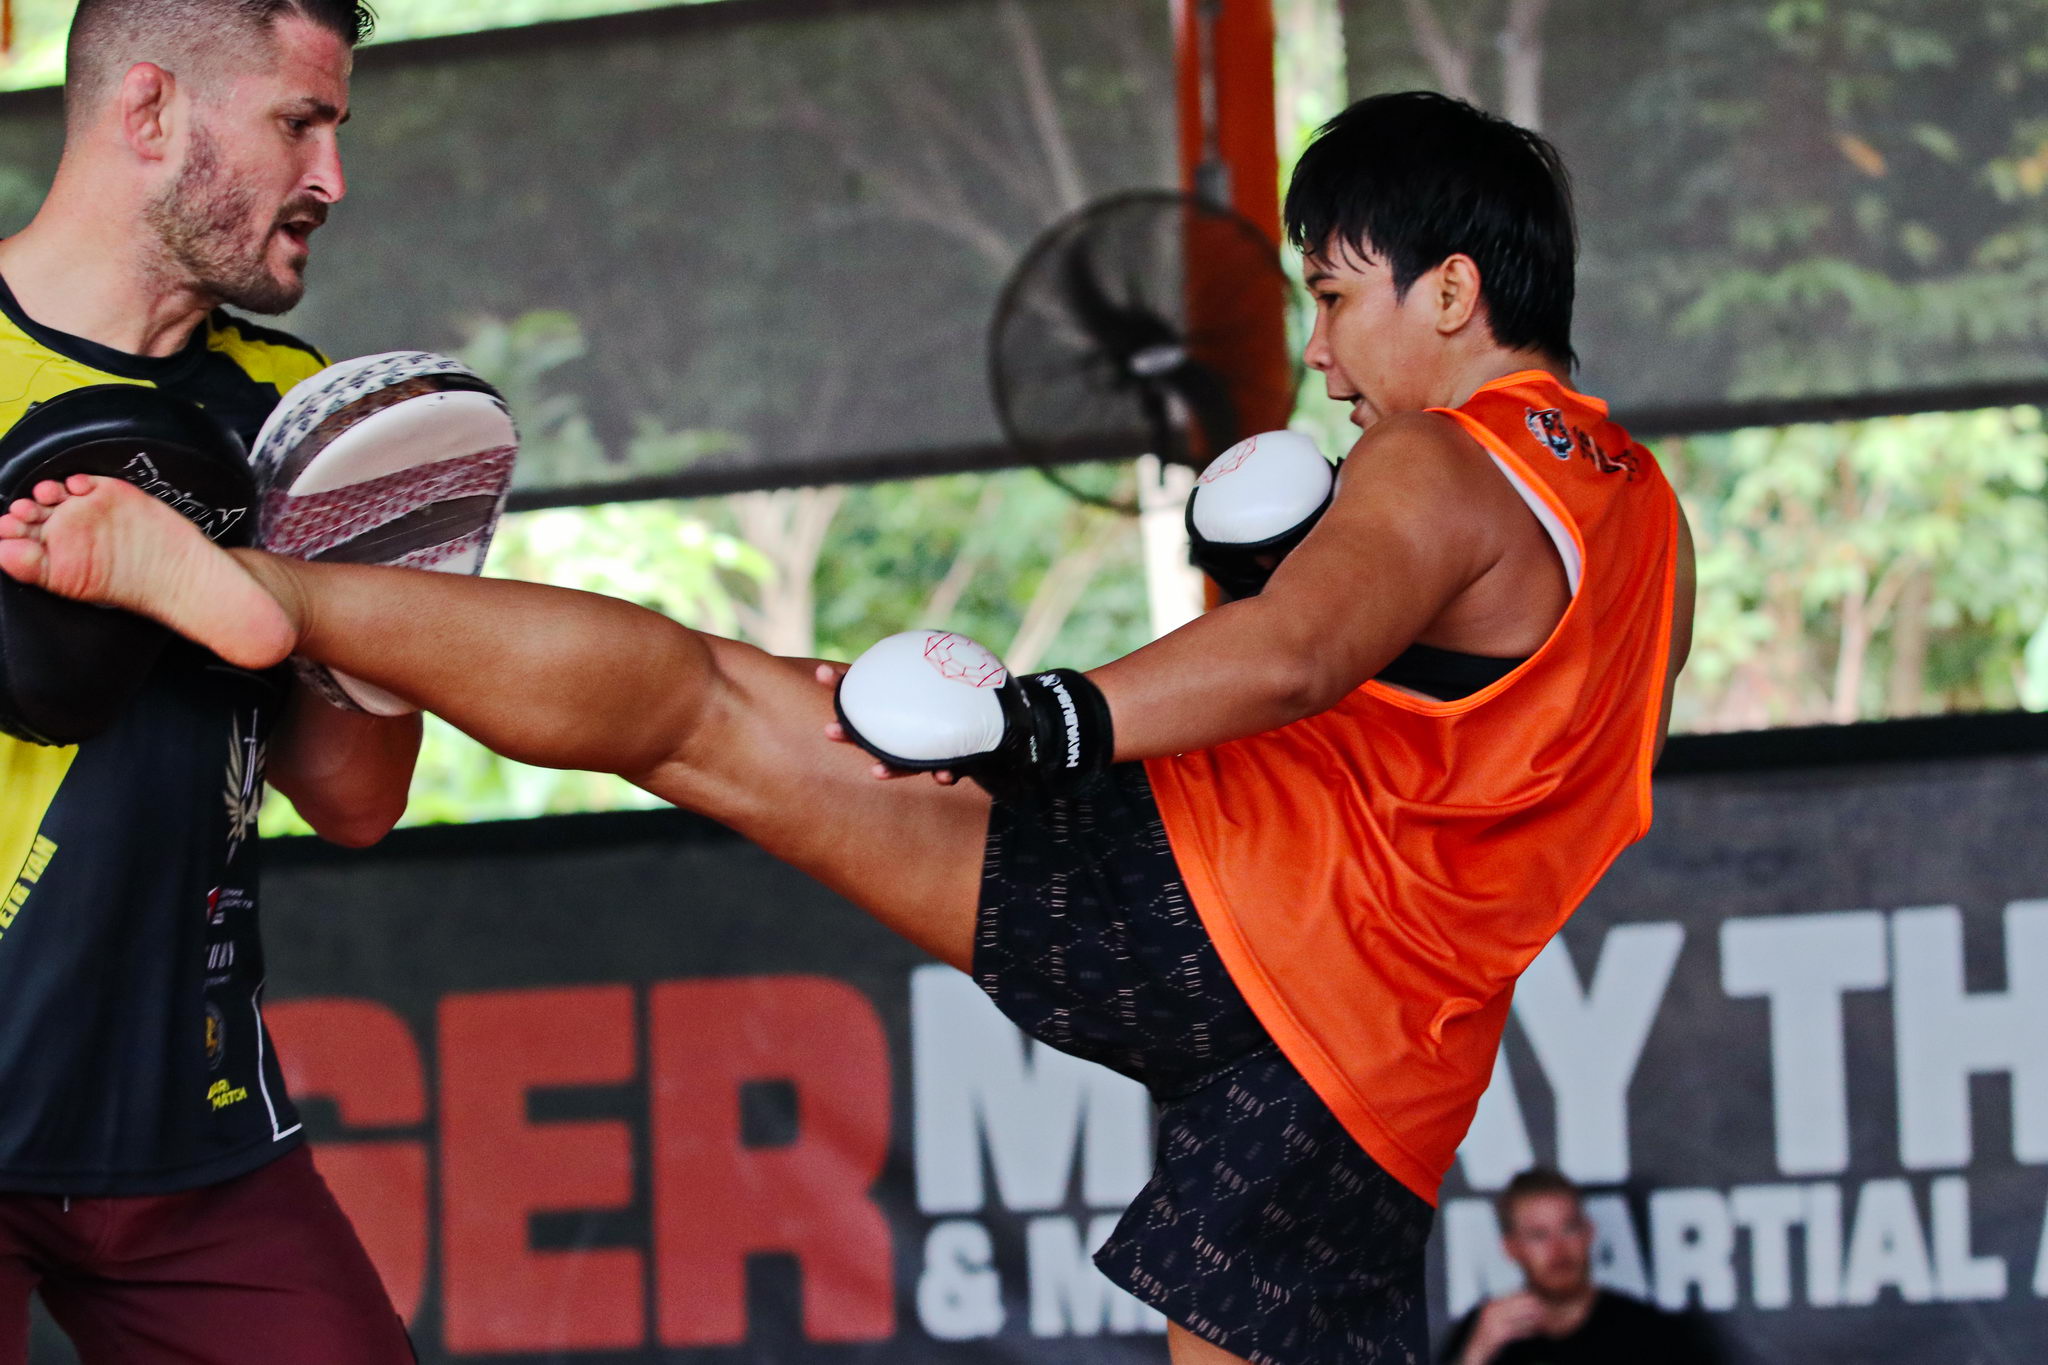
(1265, 1227)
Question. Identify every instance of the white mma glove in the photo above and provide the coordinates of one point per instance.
(1255, 503)
(927, 700)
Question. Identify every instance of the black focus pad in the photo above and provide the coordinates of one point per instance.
(67, 669)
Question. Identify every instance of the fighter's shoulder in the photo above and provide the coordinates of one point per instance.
(266, 354)
(1421, 453)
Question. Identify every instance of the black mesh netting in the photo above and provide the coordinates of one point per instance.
(759, 241)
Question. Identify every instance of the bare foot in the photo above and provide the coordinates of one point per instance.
(101, 540)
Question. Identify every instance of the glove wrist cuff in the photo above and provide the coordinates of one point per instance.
(1073, 737)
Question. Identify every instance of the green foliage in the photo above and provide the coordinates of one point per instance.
(894, 544)
(1860, 570)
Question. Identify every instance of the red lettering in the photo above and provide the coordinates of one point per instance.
(498, 1169)
(717, 1200)
(363, 1057)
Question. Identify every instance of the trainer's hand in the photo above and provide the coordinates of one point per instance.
(828, 676)
(931, 701)
(1503, 1322)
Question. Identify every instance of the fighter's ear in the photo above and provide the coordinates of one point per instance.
(144, 105)
(1454, 293)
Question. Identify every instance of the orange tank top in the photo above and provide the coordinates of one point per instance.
(1376, 877)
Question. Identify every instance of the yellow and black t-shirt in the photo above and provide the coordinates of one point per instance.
(133, 1057)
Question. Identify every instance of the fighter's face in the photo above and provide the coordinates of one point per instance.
(1368, 339)
(1550, 1239)
(261, 168)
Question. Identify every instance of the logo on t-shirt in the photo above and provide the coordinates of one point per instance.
(1564, 440)
(215, 521)
(246, 756)
(216, 1037)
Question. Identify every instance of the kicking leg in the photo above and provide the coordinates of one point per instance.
(551, 677)
(1188, 1349)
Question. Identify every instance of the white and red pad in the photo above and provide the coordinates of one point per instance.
(403, 458)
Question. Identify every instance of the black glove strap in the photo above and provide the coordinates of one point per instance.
(1062, 737)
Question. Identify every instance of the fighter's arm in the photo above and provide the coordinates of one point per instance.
(1420, 515)
(347, 773)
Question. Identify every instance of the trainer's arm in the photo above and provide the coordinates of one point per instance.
(1420, 514)
(348, 774)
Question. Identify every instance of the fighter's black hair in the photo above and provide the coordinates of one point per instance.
(1412, 179)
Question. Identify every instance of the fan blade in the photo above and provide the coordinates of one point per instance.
(1122, 332)
(1207, 398)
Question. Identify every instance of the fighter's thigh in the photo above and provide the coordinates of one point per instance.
(908, 851)
(18, 1278)
(259, 1270)
(1188, 1349)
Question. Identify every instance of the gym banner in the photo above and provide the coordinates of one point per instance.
(623, 1089)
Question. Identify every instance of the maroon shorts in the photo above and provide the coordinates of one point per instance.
(254, 1271)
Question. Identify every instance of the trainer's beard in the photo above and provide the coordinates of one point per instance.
(203, 222)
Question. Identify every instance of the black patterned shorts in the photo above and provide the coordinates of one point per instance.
(1265, 1228)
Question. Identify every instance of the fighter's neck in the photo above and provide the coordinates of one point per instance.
(1498, 363)
(86, 274)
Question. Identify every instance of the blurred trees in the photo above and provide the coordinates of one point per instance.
(1858, 570)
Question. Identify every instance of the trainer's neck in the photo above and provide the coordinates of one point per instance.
(1567, 1313)
(99, 275)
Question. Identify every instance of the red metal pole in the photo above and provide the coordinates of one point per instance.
(1230, 157)
(1226, 60)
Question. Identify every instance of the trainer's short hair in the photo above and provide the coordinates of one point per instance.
(1413, 179)
(1537, 1180)
(110, 36)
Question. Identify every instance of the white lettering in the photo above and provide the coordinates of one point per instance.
(1475, 1267)
(960, 1294)
(1803, 964)
(1496, 1147)
(976, 1080)
(1069, 1296)
(1769, 1212)
(1945, 1035)
(1692, 1239)
(1617, 1251)
(1962, 1275)
(2041, 1262)
(1887, 1247)
(1824, 1246)
(1588, 1042)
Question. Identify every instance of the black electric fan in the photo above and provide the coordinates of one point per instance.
(1105, 344)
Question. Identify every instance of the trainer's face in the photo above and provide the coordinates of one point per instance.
(261, 168)
(1550, 1239)
(1374, 346)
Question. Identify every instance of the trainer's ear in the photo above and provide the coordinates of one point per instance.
(1456, 293)
(145, 100)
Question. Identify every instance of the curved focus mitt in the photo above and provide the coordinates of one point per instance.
(929, 700)
(1255, 503)
(68, 670)
(403, 458)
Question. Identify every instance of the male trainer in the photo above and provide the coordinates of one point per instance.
(1283, 865)
(153, 1184)
(1560, 1316)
